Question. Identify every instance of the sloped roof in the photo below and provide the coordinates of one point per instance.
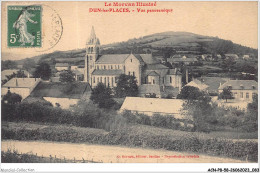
(77, 72)
(161, 72)
(176, 56)
(93, 38)
(148, 88)
(155, 105)
(240, 85)
(213, 82)
(153, 73)
(107, 72)
(198, 84)
(149, 59)
(156, 66)
(112, 59)
(21, 82)
(138, 56)
(120, 58)
(173, 72)
(182, 60)
(61, 90)
(61, 65)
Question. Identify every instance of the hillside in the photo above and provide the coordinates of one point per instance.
(178, 42)
(159, 44)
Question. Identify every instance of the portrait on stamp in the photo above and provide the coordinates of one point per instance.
(24, 26)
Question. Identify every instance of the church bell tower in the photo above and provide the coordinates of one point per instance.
(92, 52)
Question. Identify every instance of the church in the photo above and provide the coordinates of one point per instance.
(107, 68)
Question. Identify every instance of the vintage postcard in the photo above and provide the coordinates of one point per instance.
(129, 82)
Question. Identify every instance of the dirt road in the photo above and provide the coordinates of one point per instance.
(108, 154)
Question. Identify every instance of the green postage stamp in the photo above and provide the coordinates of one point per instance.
(24, 26)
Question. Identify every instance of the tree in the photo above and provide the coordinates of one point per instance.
(101, 95)
(18, 74)
(43, 71)
(198, 106)
(168, 52)
(201, 111)
(11, 98)
(126, 86)
(250, 123)
(190, 93)
(8, 64)
(67, 76)
(226, 93)
(29, 64)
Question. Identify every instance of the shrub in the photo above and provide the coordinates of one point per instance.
(126, 136)
(101, 95)
(158, 120)
(11, 98)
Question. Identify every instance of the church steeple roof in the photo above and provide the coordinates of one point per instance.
(92, 34)
(93, 38)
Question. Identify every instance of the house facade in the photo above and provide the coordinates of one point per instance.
(185, 59)
(61, 66)
(107, 68)
(21, 86)
(63, 95)
(241, 89)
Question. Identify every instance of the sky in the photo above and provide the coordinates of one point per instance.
(235, 21)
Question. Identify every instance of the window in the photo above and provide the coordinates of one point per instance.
(105, 80)
(133, 73)
(97, 79)
(98, 67)
(94, 80)
(101, 79)
(247, 95)
(112, 81)
(111, 67)
(170, 79)
(131, 60)
(129, 73)
(115, 66)
(115, 79)
(153, 81)
(118, 67)
(104, 67)
(241, 95)
(91, 49)
(90, 57)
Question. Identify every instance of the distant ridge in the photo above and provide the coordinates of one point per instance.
(156, 44)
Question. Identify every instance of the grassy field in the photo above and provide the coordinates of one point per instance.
(133, 130)
(215, 144)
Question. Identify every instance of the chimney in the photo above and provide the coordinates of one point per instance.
(187, 79)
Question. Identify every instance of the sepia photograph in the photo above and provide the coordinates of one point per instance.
(129, 82)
